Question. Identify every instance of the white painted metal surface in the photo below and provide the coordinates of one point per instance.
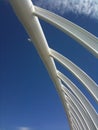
(85, 115)
(81, 98)
(78, 109)
(79, 114)
(80, 74)
(79, 34)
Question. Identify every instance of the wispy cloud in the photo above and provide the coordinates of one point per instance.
(86, 7)
(25, 128)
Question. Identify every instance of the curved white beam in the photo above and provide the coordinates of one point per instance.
(78, 113)
(89, 84)
(83, 37)
(74, 127)
(23, 10)
(81, 97)
(77, 122)
(85, 115)
(72, 110)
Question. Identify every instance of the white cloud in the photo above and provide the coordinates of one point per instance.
(23, 128)
(86, 7)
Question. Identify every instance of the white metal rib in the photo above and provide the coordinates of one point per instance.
(89, 84)
(83, 37)
(79, 114)
(72, 110)
(87, 118)
(81, 97)
(77, 121)
(23, 10)
(26, 12)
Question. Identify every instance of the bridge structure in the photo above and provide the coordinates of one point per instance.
(80, 112)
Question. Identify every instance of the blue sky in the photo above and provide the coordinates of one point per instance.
(28, 99)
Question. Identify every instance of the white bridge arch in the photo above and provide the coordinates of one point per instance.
(81, 114)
